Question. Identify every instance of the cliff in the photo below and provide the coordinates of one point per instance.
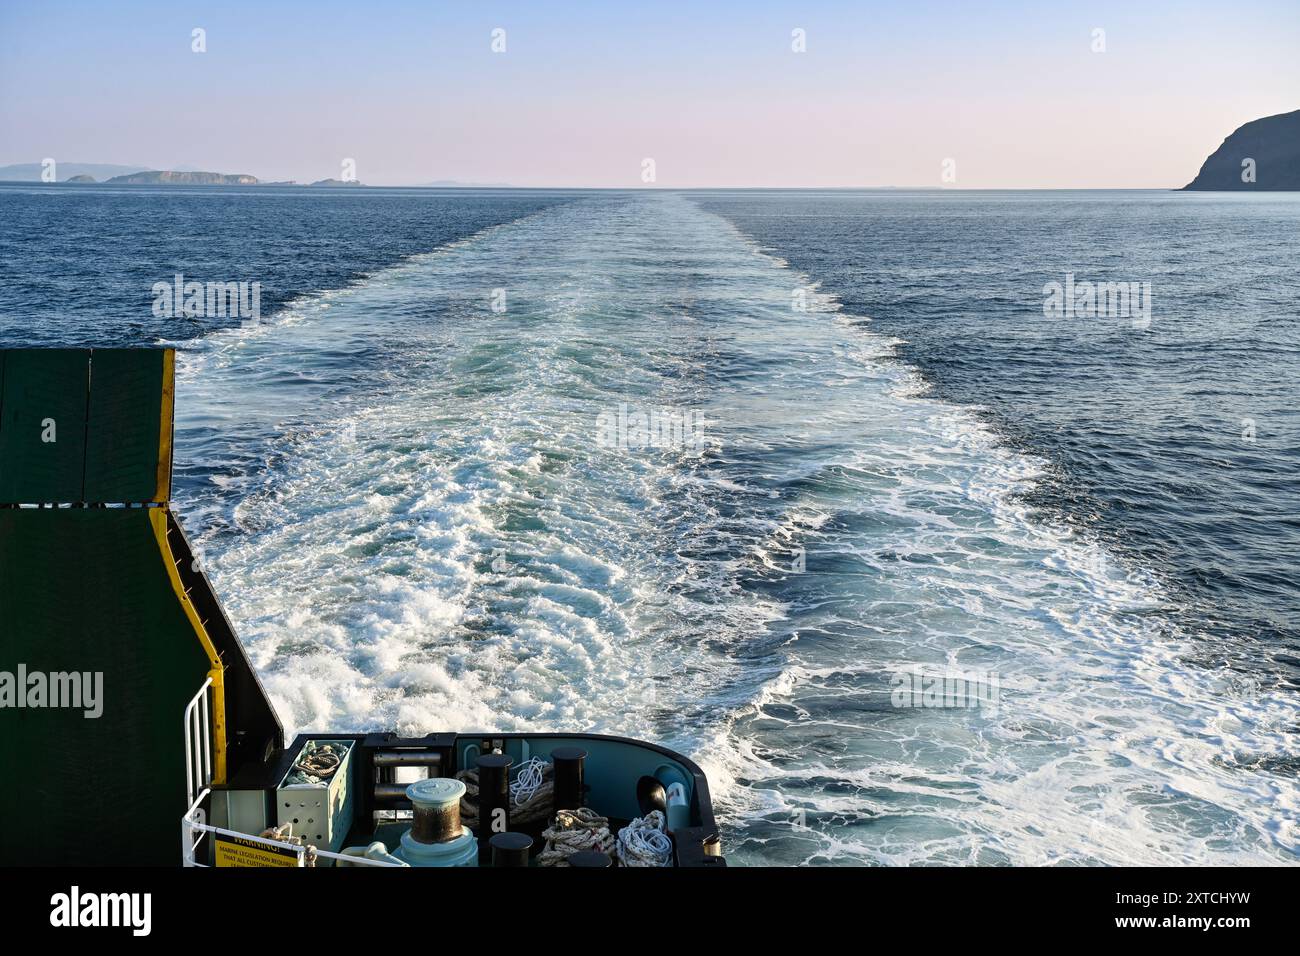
(1272, 142)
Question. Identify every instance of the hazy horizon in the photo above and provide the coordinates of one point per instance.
(1007, 96)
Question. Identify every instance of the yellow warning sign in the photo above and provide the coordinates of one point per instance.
(236, 851)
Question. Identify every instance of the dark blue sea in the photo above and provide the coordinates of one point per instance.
(414, 483)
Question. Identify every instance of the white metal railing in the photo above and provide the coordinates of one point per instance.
(198, 743)
(194, 828)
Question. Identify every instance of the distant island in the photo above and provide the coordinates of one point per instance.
(158, 177)
(1264, 154)
(140, 176)
(110, 175)
(168, 177)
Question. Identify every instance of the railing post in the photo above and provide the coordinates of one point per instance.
(198, 743)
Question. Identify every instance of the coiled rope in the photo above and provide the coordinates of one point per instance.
(532, 773)
(573, 831)
(320, 764)
(643, 842)
(315, 765)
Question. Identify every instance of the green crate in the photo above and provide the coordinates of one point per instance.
(321, 814)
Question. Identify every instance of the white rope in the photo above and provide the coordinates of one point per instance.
(643, 842)
(528, 780)
(532, 801)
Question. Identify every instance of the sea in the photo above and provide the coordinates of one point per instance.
(938, 527)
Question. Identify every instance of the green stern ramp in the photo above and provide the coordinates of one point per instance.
(105, 616)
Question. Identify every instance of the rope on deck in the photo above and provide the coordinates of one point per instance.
(644, 842)
(573, 831)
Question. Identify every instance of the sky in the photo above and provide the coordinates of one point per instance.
(957, 94)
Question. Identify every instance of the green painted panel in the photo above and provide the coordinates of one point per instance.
(44, 398)
(86, 590)
(125, 416)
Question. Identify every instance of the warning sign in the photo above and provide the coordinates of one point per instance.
(236, 851)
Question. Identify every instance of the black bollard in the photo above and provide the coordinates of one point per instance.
(493, 798)
(570, 788)
(510, 849)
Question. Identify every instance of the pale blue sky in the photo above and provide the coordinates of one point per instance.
(585, 91)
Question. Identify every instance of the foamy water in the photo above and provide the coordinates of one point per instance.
(407, 512)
